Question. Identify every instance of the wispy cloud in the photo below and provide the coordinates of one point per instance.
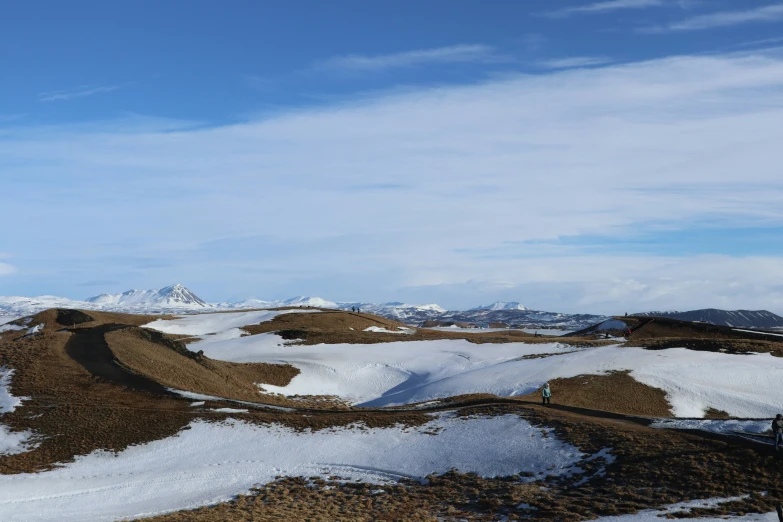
(761, 42)
(77, 92)
(574, 61)
(450, 54)
(769, 13)
(603, 7)
(585, 152)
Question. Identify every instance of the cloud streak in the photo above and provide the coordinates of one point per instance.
(441, 55)
(769, 13)
(603, 7)
(77, 92)
(574, 61)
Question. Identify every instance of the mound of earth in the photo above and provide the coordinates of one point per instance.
(616, 391)
(171, 364)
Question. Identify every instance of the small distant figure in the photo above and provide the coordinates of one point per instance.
(358, 310)
(628, 332)
(546, 395)
(626, 314)
(353, 309)
(535, 334)
(606, 335)
(777, 430)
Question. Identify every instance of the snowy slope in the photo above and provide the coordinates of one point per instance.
(212, 462)
(216, 323)
(417, 371)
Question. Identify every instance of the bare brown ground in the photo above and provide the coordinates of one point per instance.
(71, 412)
(334, 327)
(200, 375)
(653, 468)
(616, 392)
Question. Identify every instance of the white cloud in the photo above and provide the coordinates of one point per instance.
(6, 269)
(451, 54)
(604, 7)
(77, 92)
(574, 61)
(464, 178)
(768, 13)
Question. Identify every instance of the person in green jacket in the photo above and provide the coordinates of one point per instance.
(546, 394)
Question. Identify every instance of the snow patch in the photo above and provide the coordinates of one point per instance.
(378, 329)
(227, 323)
(212, 462)
(650, 515)
(11, 443)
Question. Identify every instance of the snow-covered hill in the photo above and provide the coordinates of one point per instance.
(736, 318)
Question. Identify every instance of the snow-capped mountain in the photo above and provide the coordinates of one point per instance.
(502, 305)
(179, 299)
(175, 296)
(735, 318)
(403, 312)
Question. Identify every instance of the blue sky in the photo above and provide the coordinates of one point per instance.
(574, 156)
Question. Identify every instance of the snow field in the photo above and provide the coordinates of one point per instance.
(226, 324)
(211, 462)
(417, 371)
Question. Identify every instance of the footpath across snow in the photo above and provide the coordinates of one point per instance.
(211, 462)
(397, 373)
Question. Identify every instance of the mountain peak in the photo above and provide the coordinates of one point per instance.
(174, 296)
(503, 305)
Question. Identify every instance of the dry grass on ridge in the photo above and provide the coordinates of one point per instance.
(616, 392)
(205, 376)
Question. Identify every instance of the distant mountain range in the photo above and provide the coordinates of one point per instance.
(760, 319)
(177, 298)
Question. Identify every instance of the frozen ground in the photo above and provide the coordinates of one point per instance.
(226, 325)
(212, 462)
(416, 371)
